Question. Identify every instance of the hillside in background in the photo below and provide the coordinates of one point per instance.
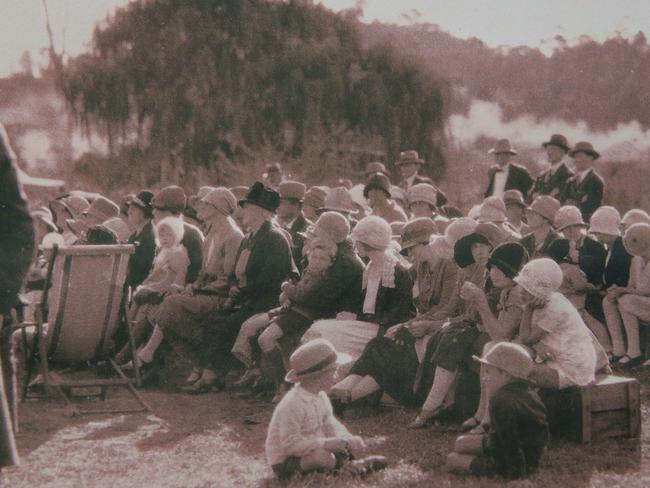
(603, 84)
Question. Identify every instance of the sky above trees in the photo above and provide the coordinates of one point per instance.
(496, 22)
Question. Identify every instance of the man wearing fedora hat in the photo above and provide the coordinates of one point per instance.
(303, 434)
(290, 216)
(586, 188)
(262, 263)
(409, 164)
(504, 175)
(554, 179)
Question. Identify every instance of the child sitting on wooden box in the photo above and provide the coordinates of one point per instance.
(304, 435)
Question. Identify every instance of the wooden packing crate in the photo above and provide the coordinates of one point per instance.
(611, 407)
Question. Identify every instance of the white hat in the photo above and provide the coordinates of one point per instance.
(493, 209)
(540, 277)
(567, 216)
(312, 358)
(606, 220)
(422, 192)
(635, 216)
(373, 231)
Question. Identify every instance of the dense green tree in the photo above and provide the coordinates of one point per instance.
(221, 84)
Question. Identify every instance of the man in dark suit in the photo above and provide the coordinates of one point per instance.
(586, 188)
(290, 217)
(553, 181)
(505, 175)
(409, 164)
(263, 262)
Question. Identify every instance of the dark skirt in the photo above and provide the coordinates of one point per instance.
(452, 346)
(395, 367)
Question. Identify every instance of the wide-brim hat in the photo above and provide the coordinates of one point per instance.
(503, 146)
(509, 357)
(314, 358)
(262, 196)
(483, 234)
(584, 147)
(558, 140)
(509, 258)
(409, 157)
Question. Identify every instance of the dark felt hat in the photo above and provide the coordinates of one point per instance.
(584, 147)
(558, 140)
(485, 233)
(409, 157)
(377, 181)
(143, 200)
(262, 196)
(509, 258)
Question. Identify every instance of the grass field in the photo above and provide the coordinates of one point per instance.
(218, 440)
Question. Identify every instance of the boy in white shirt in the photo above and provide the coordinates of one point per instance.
(304, 435)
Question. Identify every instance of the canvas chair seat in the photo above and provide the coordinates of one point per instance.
(83, 303)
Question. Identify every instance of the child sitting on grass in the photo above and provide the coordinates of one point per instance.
(304, 435)
(519, 429)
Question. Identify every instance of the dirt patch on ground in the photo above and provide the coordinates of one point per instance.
(217, 440)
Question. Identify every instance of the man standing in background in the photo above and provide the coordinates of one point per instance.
(553, 181)
(504, 175)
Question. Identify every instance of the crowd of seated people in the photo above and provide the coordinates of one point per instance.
(392, 276)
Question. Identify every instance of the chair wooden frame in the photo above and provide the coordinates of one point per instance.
(85, 341)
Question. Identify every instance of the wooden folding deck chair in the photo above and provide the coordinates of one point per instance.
(83, 301)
